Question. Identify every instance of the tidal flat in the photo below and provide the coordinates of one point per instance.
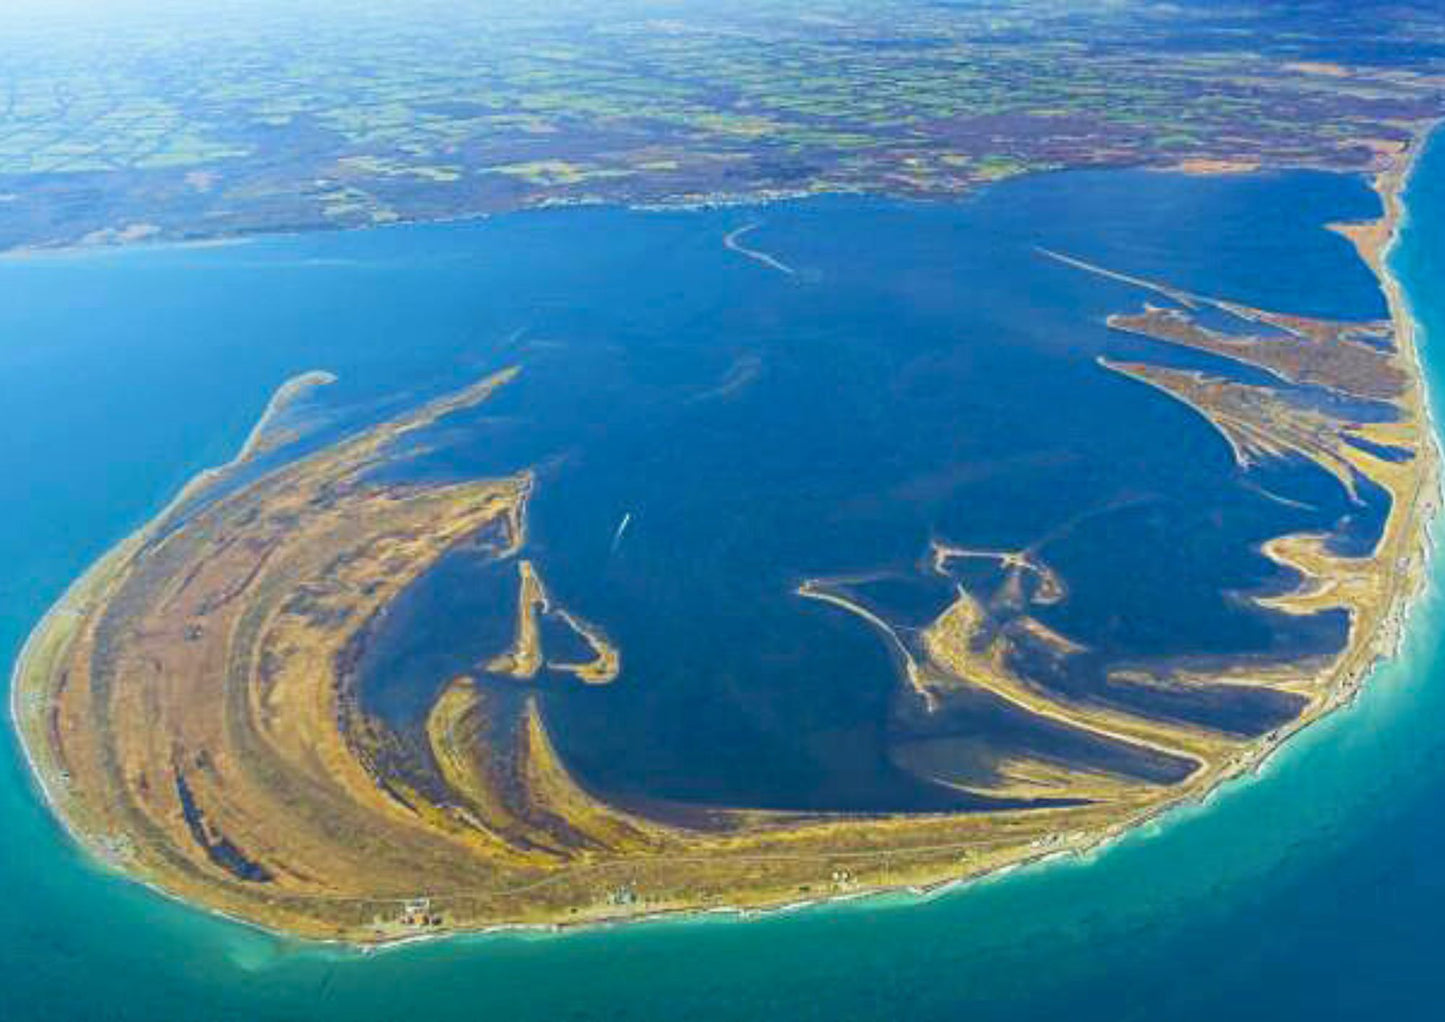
(576, 675)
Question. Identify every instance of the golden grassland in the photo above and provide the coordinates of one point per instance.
(190, 705)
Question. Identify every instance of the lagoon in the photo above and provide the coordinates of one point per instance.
(184, 370)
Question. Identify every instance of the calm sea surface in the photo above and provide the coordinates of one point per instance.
(682, 383)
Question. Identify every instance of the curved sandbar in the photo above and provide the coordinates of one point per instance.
(189, 706)
(733, 242)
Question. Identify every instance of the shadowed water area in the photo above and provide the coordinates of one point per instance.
(711, 430)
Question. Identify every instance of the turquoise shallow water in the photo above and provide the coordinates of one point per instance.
(1311, 891)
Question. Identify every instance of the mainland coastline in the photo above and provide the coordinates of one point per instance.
(1403, 547)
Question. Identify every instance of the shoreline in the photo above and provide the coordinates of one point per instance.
(759, 199)
(1356, 665)
(291, 390)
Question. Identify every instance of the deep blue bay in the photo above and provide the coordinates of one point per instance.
(761, 428)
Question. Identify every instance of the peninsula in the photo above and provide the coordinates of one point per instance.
(193, 705)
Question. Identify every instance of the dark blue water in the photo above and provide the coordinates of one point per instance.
(1311, 891)
(925, 374)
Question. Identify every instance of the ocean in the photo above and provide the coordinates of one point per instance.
(1309, 889)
